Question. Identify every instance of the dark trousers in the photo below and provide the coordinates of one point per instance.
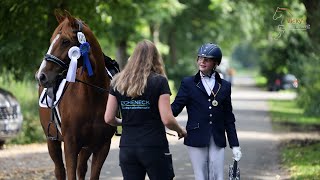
(135, 162)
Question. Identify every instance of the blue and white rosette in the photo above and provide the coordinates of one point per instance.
(84, 50)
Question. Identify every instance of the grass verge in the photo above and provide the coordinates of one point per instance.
(288, 112)
(301, 158)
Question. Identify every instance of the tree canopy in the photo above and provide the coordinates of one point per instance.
(264, 34)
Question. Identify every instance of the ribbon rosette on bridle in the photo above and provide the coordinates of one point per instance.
(74, 54)
(84, 49)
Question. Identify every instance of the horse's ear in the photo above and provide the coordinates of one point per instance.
(59, 15)
(71, 19)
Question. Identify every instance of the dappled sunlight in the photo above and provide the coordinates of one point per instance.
(16, 150)
(262, 95)
(255, 135)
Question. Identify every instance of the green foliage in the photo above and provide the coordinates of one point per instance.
(21, 37)
(185, 67)
(173, 90)
(310, 84)
(115, 15)
(246, 55)
(199, 22)
(261, 81)
(293, 52)
(303, 161)
(302, 62)
(26, 92)
(25, 31)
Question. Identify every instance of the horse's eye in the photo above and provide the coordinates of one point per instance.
(65, 42)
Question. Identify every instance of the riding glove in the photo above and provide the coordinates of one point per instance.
(236, 153)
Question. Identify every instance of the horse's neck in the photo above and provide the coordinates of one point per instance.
(99, 77)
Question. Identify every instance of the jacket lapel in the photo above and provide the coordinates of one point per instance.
(216, 87)
(197, 80)
(217, 82)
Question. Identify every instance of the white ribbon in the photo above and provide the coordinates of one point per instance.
(74, 54)
(81, 37)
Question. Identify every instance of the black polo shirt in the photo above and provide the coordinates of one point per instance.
(141, 121)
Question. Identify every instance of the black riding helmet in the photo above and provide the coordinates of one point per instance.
(210, 50)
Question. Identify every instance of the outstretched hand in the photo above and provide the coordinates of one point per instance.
(182, 134)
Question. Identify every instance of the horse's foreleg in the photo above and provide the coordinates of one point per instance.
(82, 168)
(55, 152)
(71, 151)
(98, 159)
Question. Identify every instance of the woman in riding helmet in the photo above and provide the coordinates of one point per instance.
(207, 98)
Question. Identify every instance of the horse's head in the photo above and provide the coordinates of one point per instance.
(56, 62)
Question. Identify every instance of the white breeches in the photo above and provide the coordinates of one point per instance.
(207, 162)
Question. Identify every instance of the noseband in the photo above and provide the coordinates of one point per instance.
(56, 60)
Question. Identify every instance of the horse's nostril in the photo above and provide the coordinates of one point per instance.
(43, 78)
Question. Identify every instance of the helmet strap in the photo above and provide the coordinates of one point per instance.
(215, 67)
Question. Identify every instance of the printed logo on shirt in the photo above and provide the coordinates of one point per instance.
(135, 104)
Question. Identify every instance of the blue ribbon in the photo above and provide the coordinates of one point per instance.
(84, 49)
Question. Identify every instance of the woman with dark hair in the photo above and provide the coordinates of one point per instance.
(141, 90)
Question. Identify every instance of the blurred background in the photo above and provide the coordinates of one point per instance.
(275, 42)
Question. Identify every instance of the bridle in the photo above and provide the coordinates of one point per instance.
(54, 117)
(65, 66)
(56, 60)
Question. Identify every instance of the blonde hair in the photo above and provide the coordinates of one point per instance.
(132, 80)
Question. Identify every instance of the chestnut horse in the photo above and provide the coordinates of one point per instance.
(81, 106)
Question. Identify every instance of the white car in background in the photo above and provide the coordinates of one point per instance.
(10, 116)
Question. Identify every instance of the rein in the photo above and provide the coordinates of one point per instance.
(94, 86)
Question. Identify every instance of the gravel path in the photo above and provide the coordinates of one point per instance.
(258, 141)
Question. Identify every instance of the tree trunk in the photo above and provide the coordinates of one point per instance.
(122, 53)
(313, 16)
(172, 46)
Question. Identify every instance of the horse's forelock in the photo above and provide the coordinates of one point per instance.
(63, 15)
(65, 28)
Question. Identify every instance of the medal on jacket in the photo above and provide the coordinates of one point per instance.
(214, 102)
